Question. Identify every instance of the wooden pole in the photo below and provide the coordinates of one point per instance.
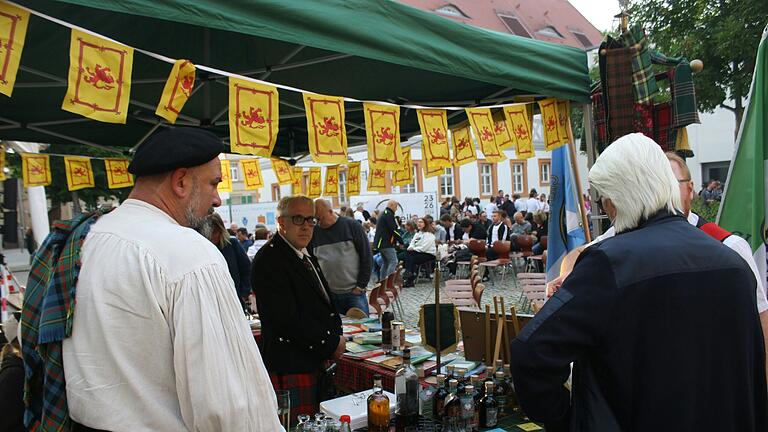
(499, 330)
(437, 312)
(507, 348)
(487, 333)
(577, 180)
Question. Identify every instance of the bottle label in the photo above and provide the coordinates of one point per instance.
(502, 403)
(490, 417)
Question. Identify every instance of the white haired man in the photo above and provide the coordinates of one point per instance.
(646, 325)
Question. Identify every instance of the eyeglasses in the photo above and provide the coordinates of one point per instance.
(301, 220)
(684, 180)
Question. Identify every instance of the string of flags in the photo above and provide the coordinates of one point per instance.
(36, 171)
(99, 87)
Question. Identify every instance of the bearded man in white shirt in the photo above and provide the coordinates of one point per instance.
(159, 341)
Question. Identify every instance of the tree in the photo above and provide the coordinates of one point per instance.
(57, 192)
(724, 34)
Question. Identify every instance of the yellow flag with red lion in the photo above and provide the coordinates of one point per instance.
(252, 174)
(325, 127)
(551, 123)
(253, 117)
(117, 173)
(434, 133)
(315, 183)
(377, 178)
(282, 171)
(79, 172)
(331, 186)
(382, 129)
(463, 146)
(404, 175)
(35, 169)
(353, 179)
(483, 126)
(99, 84)
(226, 177)
(13, 32)
(178, 88)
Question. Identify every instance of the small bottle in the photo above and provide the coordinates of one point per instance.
(461, 378)
(477, 384)
(407, 391)
(386, 331)
(438, 400)
(488, 374)
(499, 366)
(501, 391)
(345, 427)
(512, 402)
(450, 372)
(468, 418)
(489, 408)
(378, 408)
(452, 409)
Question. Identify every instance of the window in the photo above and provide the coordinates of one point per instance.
(446, 183)
(451, 10)
(550, 31)
(545, 168)
(275, 192)
(488, 181)
(246, 199)
(342, 186)
(583, 39)
(519, 169)
(514, 25)
(233, 172)
(411, 187)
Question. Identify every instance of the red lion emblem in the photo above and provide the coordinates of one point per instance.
(551, 123)
(252, 173)
(384, 136)
(353, 178)
(282, 171)
(253, 119)
(499, 128)
(36, 169)
(486, 134)
(331, 180)
(437, 136)
(315, 183)
(378, 174)
(100, 78)
(521, 132)
(119, 170)
(329, 127)
(79, 172)
(463, 144)
(187, 84)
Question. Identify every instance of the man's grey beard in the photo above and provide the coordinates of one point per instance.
(199, 224)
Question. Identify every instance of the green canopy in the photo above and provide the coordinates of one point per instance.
(368, 50)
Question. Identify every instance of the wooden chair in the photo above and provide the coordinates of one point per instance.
(534, 291)
(501, 249)
(461, 264)
(539, 261)
(373, 299)
(478, 248)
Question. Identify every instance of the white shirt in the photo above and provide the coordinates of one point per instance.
(490, 208)
(495, 233)
(371, 234)
(423, 242)
(359, 216)
(520, 205)
(738, 244)
(159, 341)
(543, 206)
(532, 205)
(254, 248)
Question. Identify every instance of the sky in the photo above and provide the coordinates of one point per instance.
(599, 12)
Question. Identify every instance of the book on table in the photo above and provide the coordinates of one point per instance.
(355, 347)
(363, 355)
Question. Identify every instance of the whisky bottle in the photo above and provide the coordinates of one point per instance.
(452, 409)
(512, 402)
(438, 400)
(468, 410)
(502, 390)
(489, 408)
(378, 408)
(407, 392)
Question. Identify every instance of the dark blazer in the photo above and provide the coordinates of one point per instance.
(662, 325)
(478, 231)
(503, 233)
(300, 328)
(387, 235)
(239, 266)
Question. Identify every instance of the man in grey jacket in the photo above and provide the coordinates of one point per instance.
(342, 249)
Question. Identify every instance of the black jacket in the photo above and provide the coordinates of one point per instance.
(662, 325)
(478, 231)
(239, 266)
(300, 328)
(503, 233)
(387, 235)
(12, 394)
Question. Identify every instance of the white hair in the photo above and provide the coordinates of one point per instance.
(286, 202)
(636, 176)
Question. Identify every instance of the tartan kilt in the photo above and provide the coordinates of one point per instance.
(304, 392)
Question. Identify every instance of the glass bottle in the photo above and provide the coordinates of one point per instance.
(452, 410)
(499, 366)
(345, 427)
(512, 402)
(438, 400)
(378, 408)
(478, 385)
(450, 372)
(386, 331)
(407, 392)
(461, 378)
(489, 408)
(501, 392)
(468, 418)
(489, 377)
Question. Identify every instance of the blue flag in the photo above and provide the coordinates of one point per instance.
(565, 228)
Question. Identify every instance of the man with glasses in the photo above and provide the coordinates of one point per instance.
(301, 329)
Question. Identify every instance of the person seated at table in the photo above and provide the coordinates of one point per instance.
(520, 227)
(407, 236)
(423, 248)
(540, 229)
(497, 232)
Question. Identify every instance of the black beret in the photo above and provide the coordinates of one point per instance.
(181, 147)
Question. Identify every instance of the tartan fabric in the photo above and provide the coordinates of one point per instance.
(662, 122)
(304, 390)
(643, 79)
(599, 120)
(683, 91)
(644, 119)
(46, 321)
(621, 98)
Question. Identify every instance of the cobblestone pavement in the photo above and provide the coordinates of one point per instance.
(424, 292)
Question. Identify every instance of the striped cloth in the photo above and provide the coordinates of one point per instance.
(304, 392)
(683, 91)
(643, 79)
(46, 320)
(621, 96)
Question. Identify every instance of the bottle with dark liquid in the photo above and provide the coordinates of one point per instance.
(468, 417)
(438, 400)
(452, 409)
(489, 408)
(461, 378)
(386, 331)
(450, 372)
(378, 408)
(407, 392)
(489, 377)
(512, 403)
(502, 390)
(499, 366)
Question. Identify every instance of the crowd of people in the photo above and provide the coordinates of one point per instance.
(652, 332)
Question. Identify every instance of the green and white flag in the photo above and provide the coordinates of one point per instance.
(743, 207)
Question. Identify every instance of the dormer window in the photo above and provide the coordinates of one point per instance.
(550, 32)
(514, 25)
(451, 10)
